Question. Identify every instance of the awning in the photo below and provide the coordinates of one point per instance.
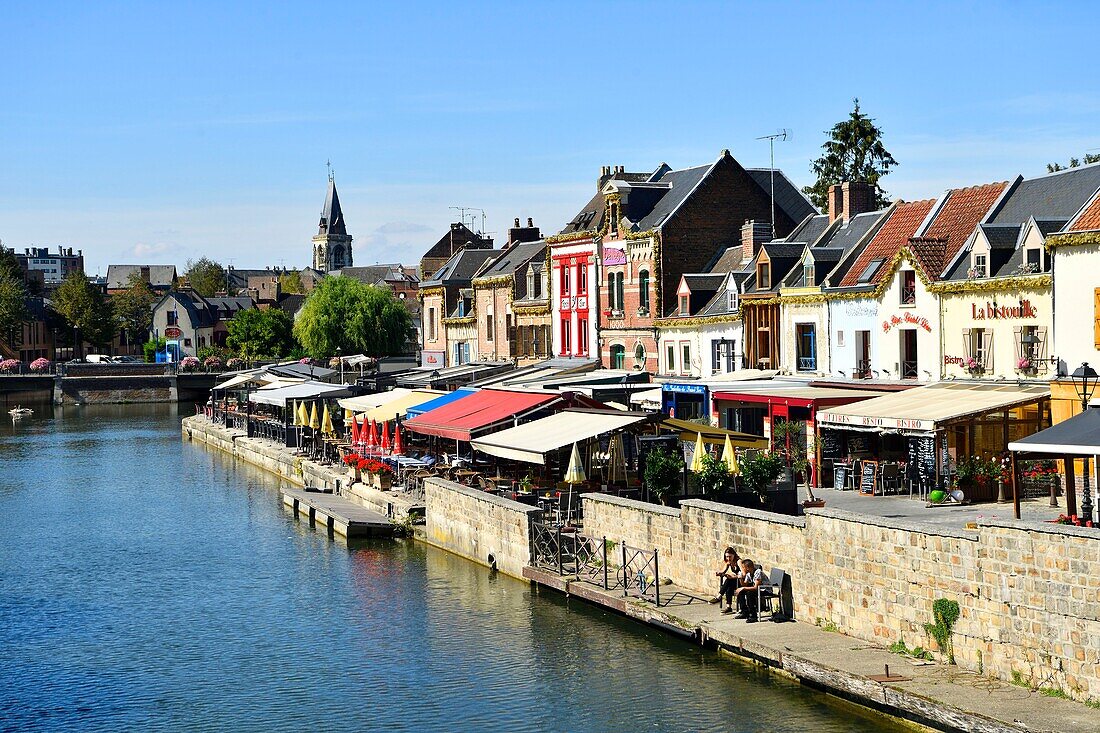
(712, 435)
(304, 391)
(366, 402)
(648, 397)
(922, 409)
(1077, 436)
(439, 401)
(478, 412)
(303, 371)
(235, 381)
(531, 441)
(396, 407)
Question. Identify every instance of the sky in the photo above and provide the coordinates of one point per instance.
(162, 132)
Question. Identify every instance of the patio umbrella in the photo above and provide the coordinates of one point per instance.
(303, 415)
(616, 461)
(574, 474)
(294, 415)
(354, 430)
(697, 459)
(348, 415)
(326, 422)
(398, 444)
(729, 457)
(372, 437)
(385, 446)
(314, 420)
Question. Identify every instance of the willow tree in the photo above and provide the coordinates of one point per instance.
(345, 316)
(853, 152)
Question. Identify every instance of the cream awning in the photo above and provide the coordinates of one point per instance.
(235, 381)
(646, 397)
(921, 409)
(366, 402)
(281, 396)
(396, 407)
(713, 435)
(531, 441)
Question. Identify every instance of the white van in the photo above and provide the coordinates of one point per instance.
(97, 359)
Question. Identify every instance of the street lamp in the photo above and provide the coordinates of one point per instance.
(339, 356)
(1085, 379)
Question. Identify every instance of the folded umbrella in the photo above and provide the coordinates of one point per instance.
(326, 422)
(314, 420)
(697, 459)
(385, 437)
(398, 444)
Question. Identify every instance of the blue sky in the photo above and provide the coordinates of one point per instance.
(158, 132)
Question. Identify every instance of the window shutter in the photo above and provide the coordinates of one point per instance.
(987, 349)
(968, 343)
(1096, 318)
(1041, 347)
(1019, 332)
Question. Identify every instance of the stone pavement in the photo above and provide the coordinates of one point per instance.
(937, 695)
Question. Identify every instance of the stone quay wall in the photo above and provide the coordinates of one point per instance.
(1029, 593)
(477, 525)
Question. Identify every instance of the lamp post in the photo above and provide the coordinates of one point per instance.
(1084, 383)
(339, 355)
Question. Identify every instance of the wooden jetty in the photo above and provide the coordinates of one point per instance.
(337, 514)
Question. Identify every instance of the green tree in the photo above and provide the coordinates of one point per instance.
(133, 308)
(290, 282)
(85, 310)
(345, 314)
(1074, 163)
(255, 333)
(13, 297)
(205, 276)
(853, 152)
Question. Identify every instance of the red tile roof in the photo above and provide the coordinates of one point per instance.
(1089, 219)
(954, 222)
(895, 233)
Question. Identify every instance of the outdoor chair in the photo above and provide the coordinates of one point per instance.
(890, 478)
(772, 592)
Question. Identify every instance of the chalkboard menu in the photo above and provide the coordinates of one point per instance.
(868, 471)
(831, 447)
(922, 457)
(858, 445)
(840, 475)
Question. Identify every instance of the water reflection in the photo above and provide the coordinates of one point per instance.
(151, 584)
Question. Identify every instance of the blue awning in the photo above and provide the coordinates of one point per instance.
(438, 402)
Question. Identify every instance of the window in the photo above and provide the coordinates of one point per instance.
(980, 264)
(870, 271)
(839, 338)
(582, 278)
(685, 357)
(1034, 259)
(582, 337)
(431, 324)
(639, 354)
(616, 296)
(806, 344)
(565, 276)
(618, 356)
(531, 292)
(808, 274)
(863, 354)
(187, 342)
(908, 287)
(1096, 318)
(908, 348)
(489, 327)
(721, 356)
(1031, 345)
(731, 300)
(611, 291)
(670, 357)
(684, 305)
(978, 342)
(173, 318)
(643, 290)
(566, 337)
(763, 276)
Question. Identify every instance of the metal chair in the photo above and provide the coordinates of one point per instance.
(772, 592)
(890, 478)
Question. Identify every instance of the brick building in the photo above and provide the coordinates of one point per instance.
(458, 238)
(616, 266)
(497, 286)
(449, 323)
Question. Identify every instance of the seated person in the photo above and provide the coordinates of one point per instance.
(747, 599)
(730, 577)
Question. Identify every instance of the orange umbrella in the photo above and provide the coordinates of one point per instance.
(385, 437)
(372, 439)
(398, 444)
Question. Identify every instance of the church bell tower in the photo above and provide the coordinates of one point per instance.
(332, 244)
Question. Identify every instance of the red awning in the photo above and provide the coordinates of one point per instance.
(461, 419)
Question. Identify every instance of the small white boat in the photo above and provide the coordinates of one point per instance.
(18, 412)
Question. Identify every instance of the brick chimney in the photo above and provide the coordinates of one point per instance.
(753, 234)
(529, 233)
(605, 175)
(849, 199)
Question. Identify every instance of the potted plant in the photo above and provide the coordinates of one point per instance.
(41, 365)
(527, 483)
(663, 472)
(973, 366)
(759, 472)
(352, 460)
(1025, 366)
(801, 466)
(715, 478)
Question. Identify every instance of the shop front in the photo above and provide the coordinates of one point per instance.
(684, 400)
(926, 438)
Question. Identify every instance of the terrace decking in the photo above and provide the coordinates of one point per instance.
(337, 514)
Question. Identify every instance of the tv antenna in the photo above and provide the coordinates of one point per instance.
(781, 135)
(462, 215)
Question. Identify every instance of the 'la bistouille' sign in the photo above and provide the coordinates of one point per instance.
(991, 311)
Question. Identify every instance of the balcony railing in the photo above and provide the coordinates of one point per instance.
(807, 363)
(909, 370)
(908, 296)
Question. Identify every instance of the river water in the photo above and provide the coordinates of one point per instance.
(151, 584)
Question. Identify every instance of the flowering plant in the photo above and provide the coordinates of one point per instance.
(974, 272)
(9, 366)
(306, 360)
(234, 363)
(352, 459)
(188, 363)
(1072, 519)
(972, 364)
(212, 362)
(1024, 364)
(334, 363)
(41, 364)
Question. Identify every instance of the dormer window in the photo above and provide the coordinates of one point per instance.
(531, 292)
(908, 287)
(613, 217)
(808, 273)
(979, 266)
(731, 300)
(683, 305)
(1033, 259)
(763, 275)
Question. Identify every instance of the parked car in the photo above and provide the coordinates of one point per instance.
(127, 360)
(97, 359)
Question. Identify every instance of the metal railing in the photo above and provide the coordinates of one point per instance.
(571, 553)
(807, 363)
(640, 572)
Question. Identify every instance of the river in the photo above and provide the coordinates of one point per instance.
(151, 584)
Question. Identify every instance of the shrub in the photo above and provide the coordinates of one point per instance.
(944, 615)
(758, 472)
(189, 363)
(234, 363)
(212, 362)
(663, 472)
(150, 348)
(715, 477)
(10, 366)
(41, 364)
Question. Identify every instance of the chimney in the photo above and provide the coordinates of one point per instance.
(529, 233)
(849, 199)
(605, 174)
(530, 222)
(753, 234)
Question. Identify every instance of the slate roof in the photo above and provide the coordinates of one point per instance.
(374, 274)
(1001, 236)
(461, 267)
(1088, 219)
(680, 185)
(513, 258)
(226, 308)
(459, 236)
(718, 305)
(788, 198)
(848, 235)
(591, 215)
(199, 312)
(727, 260)
(890, 238)
(332, 216)
(1053, 196)
(160, 276)
(954, 221)
(238, 279)
(291, 303)
(809, 230)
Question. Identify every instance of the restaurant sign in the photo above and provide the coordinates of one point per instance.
(172, 332)
(684, 388)
(826, 419)
(992, 311)
(906, 318)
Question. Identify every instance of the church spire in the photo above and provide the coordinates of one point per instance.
(332, 216)
(332, 243)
